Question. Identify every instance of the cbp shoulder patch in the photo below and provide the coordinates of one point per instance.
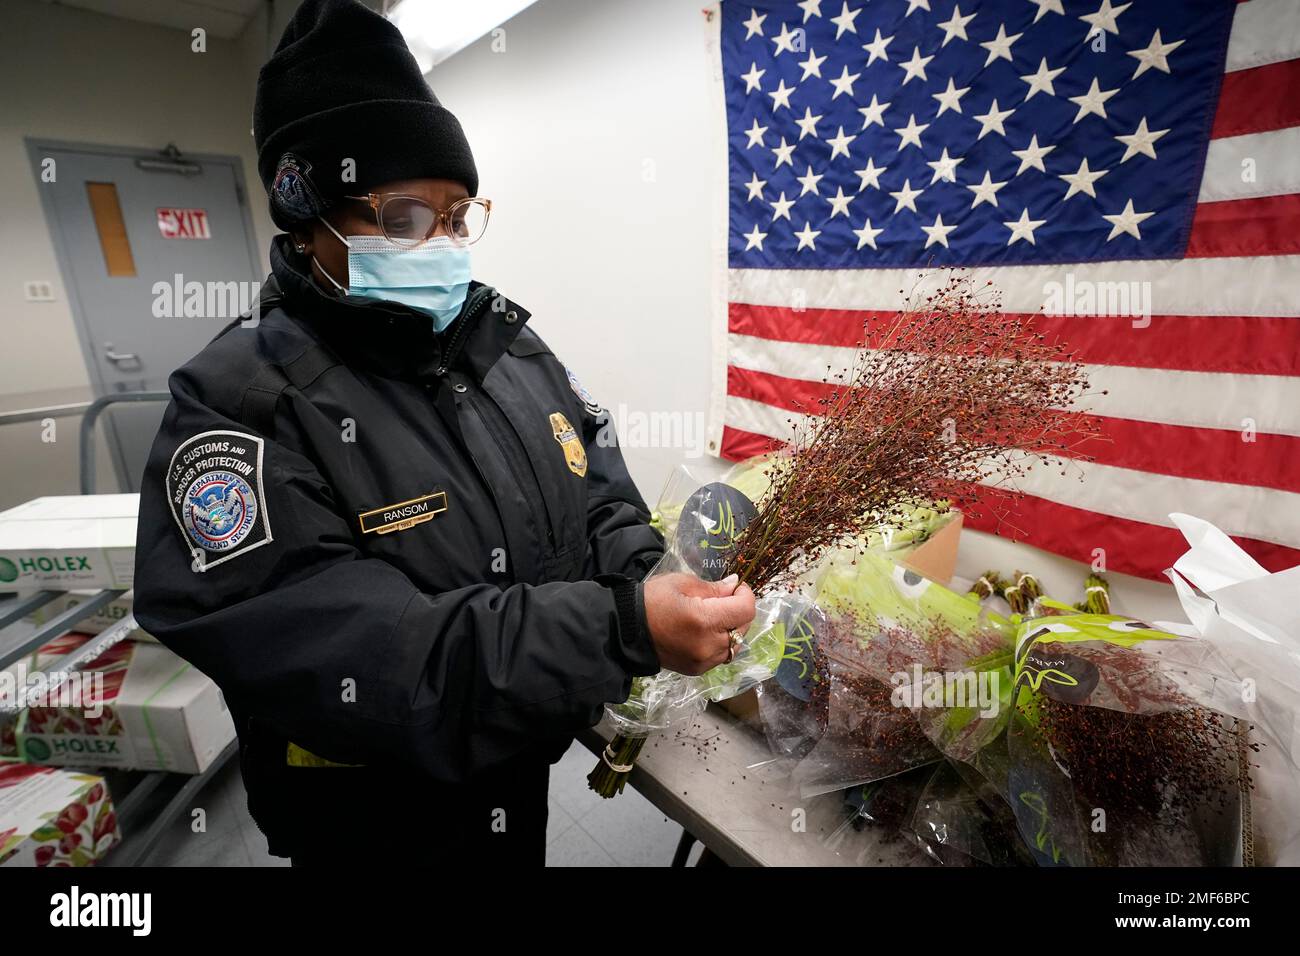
(214, 489)
(292, 190)
(592, 406)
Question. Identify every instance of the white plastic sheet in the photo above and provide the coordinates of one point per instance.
(1252, 617)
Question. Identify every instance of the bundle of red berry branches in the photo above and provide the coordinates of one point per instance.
(948, 394)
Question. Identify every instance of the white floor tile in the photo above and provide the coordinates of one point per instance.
(575, 847)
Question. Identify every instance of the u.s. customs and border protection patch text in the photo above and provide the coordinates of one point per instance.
(215, 492)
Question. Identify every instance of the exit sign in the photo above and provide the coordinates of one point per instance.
(176, 223)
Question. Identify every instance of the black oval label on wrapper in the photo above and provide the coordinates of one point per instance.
(802, 666)
(712, 518)
(1031, 787)
(1059, 675)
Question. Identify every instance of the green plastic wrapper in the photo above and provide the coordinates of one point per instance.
(700, 521)
(1112, 756)
(913, 672)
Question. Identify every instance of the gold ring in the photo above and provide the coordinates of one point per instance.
(733, 642)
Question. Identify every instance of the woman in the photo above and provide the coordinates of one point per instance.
(378, 515)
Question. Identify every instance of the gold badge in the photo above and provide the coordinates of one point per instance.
(404, 514)
(574, 454)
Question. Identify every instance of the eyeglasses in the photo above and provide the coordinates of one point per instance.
(410, 220)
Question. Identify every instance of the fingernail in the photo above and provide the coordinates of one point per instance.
(731, 580)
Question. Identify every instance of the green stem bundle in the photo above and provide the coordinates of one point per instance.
(616, 762)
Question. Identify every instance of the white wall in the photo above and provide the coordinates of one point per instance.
(596, 136)
(589, 131)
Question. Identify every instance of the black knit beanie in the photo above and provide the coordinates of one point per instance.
(343, 86)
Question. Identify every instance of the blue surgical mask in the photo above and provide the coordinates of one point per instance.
(432, 278)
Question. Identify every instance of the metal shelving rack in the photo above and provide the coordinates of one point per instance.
(147, 802)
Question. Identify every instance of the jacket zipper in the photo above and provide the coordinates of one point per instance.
(474, 305)
(492, 429)
(472, 308)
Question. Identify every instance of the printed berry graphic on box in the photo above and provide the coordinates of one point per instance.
(95, 717)
(135, 706)
(52, 817)
(16, 677)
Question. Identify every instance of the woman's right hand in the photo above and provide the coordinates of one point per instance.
(690, 619)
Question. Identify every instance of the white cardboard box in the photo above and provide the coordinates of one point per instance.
(52, 817)
(158, 712)
(65, 542)
(101, 620)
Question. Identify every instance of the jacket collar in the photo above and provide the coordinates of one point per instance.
(390, 339)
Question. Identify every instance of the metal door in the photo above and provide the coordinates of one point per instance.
(133, 229)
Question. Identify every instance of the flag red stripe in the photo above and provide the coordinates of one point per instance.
(1206, 454)
(792, 394)
(1131, 547)
(1258, 100)
(1243, 227)
(1251, 345)
(738, 444)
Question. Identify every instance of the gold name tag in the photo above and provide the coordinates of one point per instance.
(404, 514)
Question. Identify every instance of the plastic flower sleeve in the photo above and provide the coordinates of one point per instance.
(875, 818)
(701, 521)
(955, 827)
(1109, 761)
(792, 707)
(668, 698)
(913, 669)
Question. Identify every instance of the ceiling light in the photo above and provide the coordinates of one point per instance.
(436, 29)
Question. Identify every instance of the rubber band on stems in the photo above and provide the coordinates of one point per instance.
(609, 762)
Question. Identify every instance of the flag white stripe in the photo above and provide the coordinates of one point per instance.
(1163, 396)
(1263, 513)
(1253, 165)
(1249, 285)
(1263, 31)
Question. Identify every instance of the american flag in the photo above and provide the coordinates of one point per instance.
(1132, 168)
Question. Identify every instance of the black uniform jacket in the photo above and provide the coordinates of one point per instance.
(412, 554)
